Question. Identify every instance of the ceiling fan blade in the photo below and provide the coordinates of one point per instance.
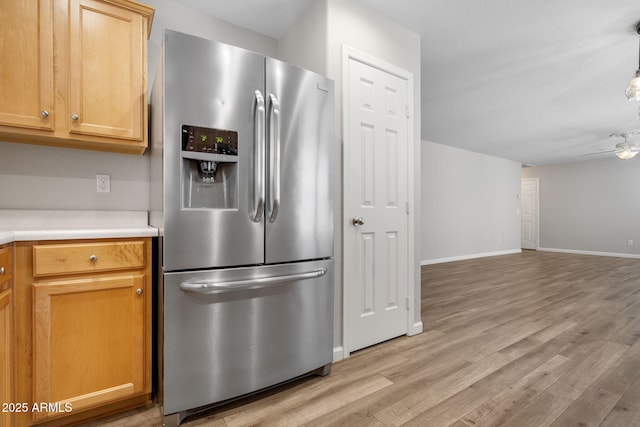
(625, 135)
(599, 152)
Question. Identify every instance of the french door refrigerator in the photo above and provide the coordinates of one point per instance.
(241, 192)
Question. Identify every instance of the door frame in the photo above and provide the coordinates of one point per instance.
(349, 53)
(535, 180)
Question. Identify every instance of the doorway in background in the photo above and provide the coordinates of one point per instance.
(530, 213)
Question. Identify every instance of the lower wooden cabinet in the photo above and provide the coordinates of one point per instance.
(7, 342)
(6, 357)
(90, 311)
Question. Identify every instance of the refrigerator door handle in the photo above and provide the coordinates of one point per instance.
(214, 287)
(273, 202)
(258, 167)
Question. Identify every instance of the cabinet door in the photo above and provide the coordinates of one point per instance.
(107, 82)
(89, 342)
(26, 69)
(6, 354)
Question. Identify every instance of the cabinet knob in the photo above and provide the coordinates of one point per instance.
(44, 113)
(139, 291)
(75, 117)
(93, 258)
(2, 270)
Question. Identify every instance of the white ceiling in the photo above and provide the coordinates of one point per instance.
(538, 82)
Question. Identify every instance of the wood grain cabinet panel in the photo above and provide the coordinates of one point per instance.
(6, 354)
(26, 69)
(6, 267)
(7, 335)
(83, 323)
(77, 75)
(87, 257)
(107, 75)
(88, 341)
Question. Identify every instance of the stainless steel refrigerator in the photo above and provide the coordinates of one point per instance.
(242, 194)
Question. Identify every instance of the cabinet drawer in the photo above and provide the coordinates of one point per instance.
(87, 257)
(6, 268)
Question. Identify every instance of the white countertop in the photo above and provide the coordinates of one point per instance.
(24, 225)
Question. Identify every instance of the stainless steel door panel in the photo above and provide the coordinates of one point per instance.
(213, 85)
(263, 326)
(300, 132)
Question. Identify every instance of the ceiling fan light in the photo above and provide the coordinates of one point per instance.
(626, 153)
(633, 90)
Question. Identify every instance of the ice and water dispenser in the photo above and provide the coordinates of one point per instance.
(209, 168)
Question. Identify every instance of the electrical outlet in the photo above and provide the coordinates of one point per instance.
(630, 242)
(103, 183)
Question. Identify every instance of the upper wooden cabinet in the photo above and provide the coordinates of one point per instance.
(107, 84)
(77, 75)
(26, 69)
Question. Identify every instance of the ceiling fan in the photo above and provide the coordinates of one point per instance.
(625, 150)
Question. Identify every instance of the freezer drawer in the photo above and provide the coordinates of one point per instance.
(234, 331)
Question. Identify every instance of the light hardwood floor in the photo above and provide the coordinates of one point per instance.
(531, 339)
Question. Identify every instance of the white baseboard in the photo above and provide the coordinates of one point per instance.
(470, 256)
(595, 253)
(338, 354)
(415, 329)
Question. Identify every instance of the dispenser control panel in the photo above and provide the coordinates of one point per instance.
(209, 140)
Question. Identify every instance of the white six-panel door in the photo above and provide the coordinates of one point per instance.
(375, 205)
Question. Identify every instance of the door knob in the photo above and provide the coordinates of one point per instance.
(75, 117)
(357, 220)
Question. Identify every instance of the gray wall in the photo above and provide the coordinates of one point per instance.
(471, 204)
(37, 177)
(590, 206)
(305, 43)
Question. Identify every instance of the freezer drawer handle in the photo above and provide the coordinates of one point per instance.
(246, 284)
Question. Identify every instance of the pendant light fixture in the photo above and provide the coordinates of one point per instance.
(633, 91)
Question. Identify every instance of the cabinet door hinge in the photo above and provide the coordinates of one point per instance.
(407, 302)
(407, 207)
